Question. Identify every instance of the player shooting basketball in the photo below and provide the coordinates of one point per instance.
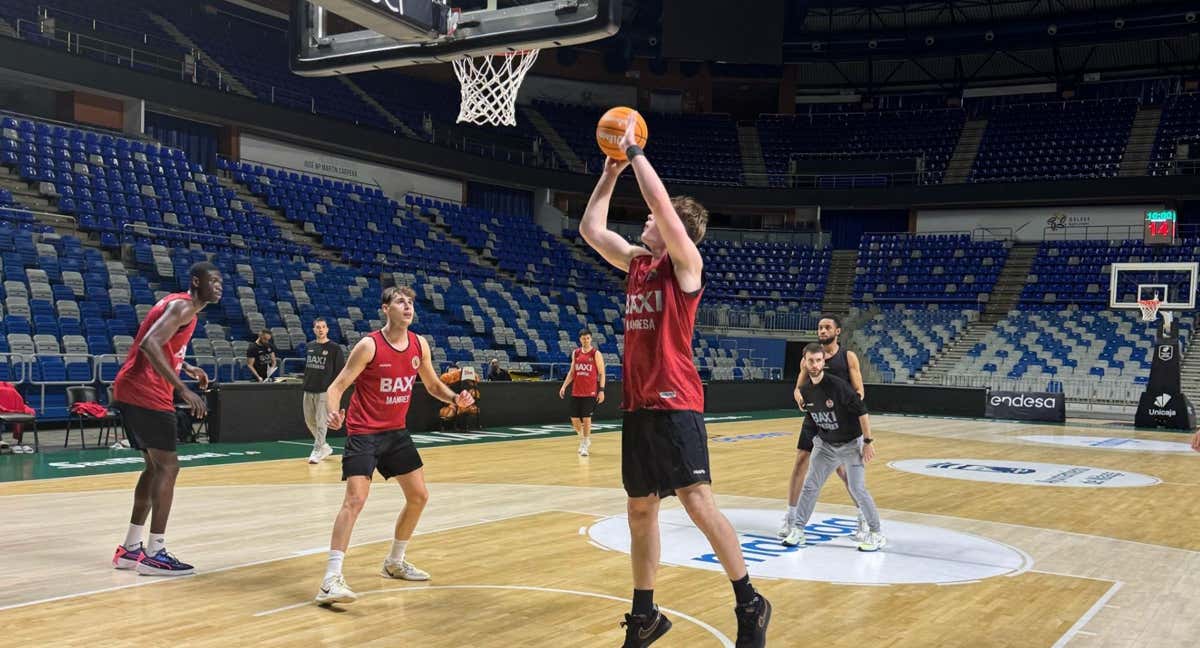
(664, 446)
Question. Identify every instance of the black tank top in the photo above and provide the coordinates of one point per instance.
(838, 365)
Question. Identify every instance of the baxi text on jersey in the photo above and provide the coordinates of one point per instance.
(401, 385)
(647, 303)
(825, 420)
(644, 303)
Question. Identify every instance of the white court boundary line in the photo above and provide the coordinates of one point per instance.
(1089, 615)
(301, 443)
(725, 642)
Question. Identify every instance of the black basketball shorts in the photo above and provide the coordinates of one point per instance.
(146, 428)
(392, 453)
(582, 406)
(808, 432)
(662, 450)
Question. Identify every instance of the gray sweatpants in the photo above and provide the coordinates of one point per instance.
(825, 459)
(315, 416)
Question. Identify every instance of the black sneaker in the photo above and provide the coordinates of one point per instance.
(753, 618)
(642, 630)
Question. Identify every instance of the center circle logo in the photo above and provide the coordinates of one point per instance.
(915, 553)
(1024, 472)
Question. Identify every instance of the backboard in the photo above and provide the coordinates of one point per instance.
(398, 33)
(1173, 283)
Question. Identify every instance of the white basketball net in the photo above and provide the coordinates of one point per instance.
(1149, 308)
(490, 85)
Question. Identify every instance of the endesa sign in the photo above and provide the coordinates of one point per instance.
(1027, 406)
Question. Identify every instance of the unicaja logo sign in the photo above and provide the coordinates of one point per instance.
(1024, 400)
(1160, 404)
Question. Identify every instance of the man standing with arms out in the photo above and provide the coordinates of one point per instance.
(586, 378)
(664, 446)
(323, 359)
(839, 362)
(144, 394)
(261, 356)
(383, 368)
(843, 439)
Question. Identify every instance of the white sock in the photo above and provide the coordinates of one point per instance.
(157, 542)
(398, 548)
(791, 512)
(334, 566)
(133, 537)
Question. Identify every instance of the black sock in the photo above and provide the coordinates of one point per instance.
(743, 591)
(643, 602)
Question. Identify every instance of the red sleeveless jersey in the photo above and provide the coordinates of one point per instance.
(659, 372)
(383, 391)
(137, 382)
(586, 382)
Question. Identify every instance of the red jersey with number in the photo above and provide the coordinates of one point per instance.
(659, 372)
(383, 391)
(137, 382)
(586, 381)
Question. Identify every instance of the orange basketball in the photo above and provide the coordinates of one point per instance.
(612, 127)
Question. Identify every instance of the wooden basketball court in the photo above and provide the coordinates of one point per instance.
(524, 548)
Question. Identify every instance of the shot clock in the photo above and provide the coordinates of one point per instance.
(1160, 227)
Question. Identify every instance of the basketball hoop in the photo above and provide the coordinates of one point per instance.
(1149, 308)
(490, 84)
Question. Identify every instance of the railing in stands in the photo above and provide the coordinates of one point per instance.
(977, 234)
(79, 22)
(1110, 232)
(74, 222)
(184, 67)
(229, 369)
(309, 172)
(1122, 392)
(1185, 167)
(839, 180)
(716, 316)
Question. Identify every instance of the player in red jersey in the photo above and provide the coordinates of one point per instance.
(144, 394)
(383, 367)
(664, 446)
(586, 378)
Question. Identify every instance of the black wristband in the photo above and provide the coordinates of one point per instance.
(867, 441)
(633, 151)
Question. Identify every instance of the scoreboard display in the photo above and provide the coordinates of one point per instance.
(1159, 228)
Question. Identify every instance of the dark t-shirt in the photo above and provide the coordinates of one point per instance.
(322, 363)
(834, 407)
(260, 355)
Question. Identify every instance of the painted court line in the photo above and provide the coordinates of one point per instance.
(150, 580)
(307, 445)
(1087, 616)
(717, 634)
